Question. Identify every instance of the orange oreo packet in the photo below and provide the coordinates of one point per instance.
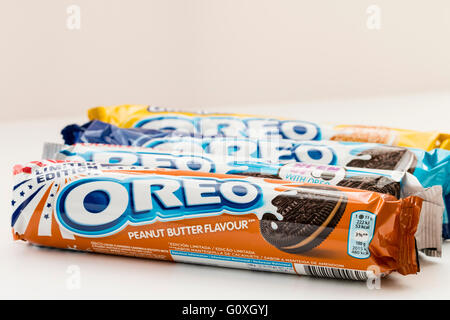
(215, 219)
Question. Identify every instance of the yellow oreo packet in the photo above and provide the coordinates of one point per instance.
(427, 140)
(210, 124)
(423, 140)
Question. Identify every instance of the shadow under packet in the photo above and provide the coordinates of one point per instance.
(215, 219)
(400, 184)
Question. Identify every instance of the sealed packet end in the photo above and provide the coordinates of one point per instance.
(429, 231)
(211, 123)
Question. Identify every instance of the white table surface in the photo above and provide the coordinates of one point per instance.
(31, 272)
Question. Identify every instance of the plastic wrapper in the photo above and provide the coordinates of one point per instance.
(241, 125)
(215, 219)
(397, 183)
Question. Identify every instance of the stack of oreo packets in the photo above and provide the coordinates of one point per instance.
(251, 192)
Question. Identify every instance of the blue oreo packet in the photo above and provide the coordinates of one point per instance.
(429, 167)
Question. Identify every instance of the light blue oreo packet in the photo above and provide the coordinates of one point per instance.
(431, 168)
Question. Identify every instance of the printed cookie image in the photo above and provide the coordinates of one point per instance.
(258, 175)
(309, 216)
(385, 158)
(378, 184)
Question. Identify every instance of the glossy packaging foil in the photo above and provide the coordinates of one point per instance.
(397, 183)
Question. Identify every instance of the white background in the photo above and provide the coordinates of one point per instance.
(31, 272)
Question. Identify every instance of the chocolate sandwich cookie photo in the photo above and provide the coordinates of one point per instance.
(397, 183)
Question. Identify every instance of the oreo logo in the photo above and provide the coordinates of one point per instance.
(98, 207)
